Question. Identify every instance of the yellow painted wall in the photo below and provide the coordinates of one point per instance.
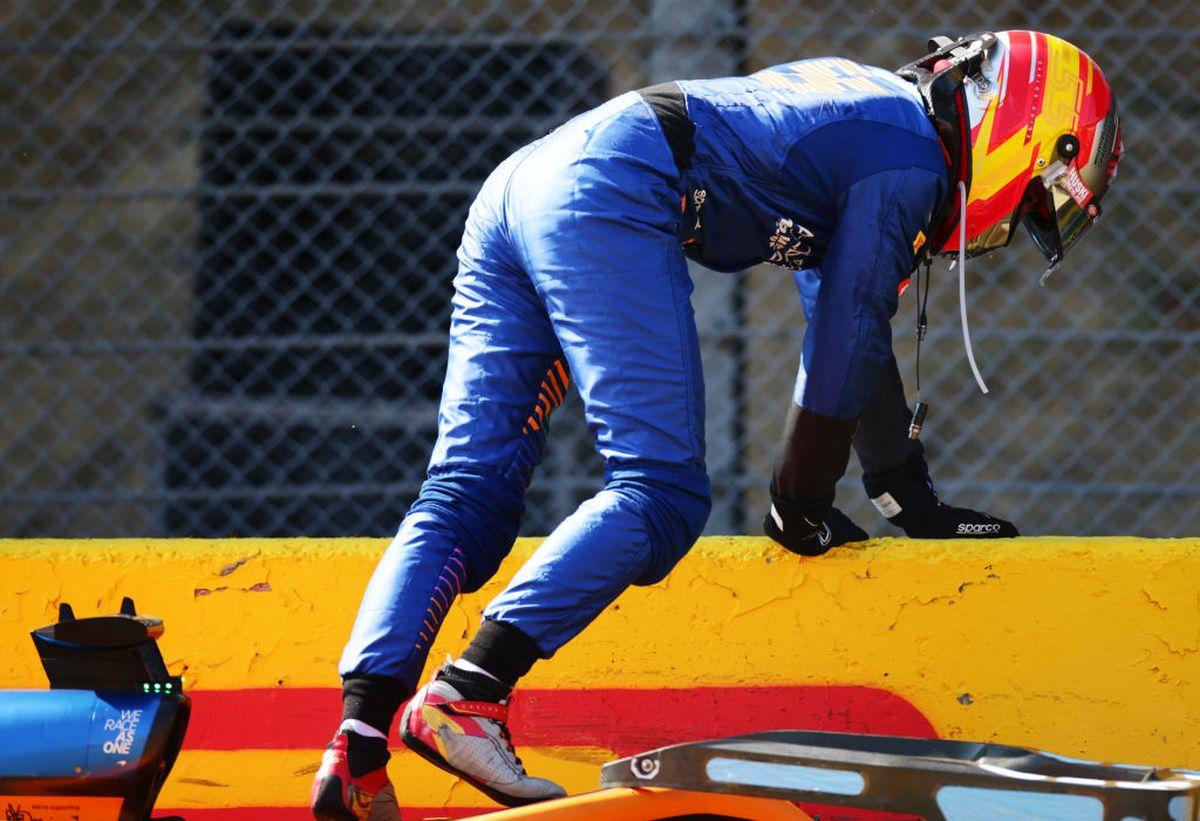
(1085, 647)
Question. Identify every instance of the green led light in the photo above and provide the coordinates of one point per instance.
(157, 686)
(145, 688)
(168, 685)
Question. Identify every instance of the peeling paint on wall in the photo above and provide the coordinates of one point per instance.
(1085, 647)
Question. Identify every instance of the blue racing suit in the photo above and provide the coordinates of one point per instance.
(572, 269)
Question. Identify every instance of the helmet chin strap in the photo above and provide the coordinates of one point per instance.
(962, 286)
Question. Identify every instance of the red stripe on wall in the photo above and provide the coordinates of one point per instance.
(625, 721)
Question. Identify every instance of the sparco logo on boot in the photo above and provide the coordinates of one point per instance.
(968, 530)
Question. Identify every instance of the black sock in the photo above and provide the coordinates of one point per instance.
(373, 700)
(474, 686)
(503, 650)
(364, 754)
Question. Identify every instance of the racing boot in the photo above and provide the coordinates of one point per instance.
(352, 783)
(905, 496)
(470, 739)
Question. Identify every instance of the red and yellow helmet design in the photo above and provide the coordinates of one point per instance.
(1045, 140)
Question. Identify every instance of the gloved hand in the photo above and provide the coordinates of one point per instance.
(803, 529)
(905, 496)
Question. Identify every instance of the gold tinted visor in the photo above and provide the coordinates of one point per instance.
(995, 237)
(1062, 221)
(1052, 215)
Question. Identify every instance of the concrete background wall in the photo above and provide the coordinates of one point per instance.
(1083, 647)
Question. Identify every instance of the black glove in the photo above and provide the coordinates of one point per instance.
(803, 529)
(905, 495)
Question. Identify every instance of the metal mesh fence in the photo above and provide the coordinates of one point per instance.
(229, 231)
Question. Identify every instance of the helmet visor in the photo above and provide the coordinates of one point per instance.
(1060, 220)
(1034, 200)
(996, 236)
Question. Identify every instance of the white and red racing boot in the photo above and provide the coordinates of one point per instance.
(470, 739)
(338, 794)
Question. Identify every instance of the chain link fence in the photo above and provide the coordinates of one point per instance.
(229, 235)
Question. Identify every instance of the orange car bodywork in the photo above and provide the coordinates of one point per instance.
(650, 804)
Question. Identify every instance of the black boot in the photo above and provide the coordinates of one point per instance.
(905, 496)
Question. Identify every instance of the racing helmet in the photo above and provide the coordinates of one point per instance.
(1041, 126)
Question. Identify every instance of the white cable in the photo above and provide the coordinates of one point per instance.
(962, 285)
